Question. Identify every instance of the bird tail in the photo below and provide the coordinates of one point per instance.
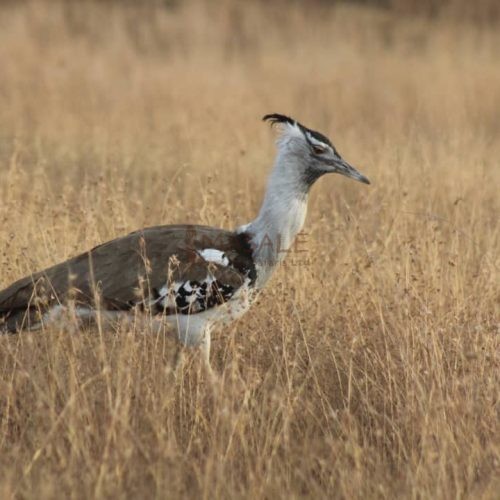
(17, 320)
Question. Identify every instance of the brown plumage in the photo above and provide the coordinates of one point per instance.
(129, 272)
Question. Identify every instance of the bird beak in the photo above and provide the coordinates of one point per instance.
(342, 167)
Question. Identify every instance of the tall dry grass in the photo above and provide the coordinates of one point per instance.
(369, 367)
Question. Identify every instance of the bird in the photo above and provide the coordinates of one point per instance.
(191, 278)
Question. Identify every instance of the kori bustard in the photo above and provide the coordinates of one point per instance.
(188, 277)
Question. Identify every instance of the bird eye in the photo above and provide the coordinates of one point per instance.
(318, 150)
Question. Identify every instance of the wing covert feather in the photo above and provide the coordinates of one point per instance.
(126, 269)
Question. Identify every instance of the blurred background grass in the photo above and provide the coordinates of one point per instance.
(369, 368)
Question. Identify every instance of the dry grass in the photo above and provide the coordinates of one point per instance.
(369, 368)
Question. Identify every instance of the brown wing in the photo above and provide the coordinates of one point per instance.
(130, 270)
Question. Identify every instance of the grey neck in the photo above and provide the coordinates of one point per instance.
(281, 216)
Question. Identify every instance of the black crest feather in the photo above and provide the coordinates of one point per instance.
(277, 118)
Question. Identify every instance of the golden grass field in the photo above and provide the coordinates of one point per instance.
(369, 368)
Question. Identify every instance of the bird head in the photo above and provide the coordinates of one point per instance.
(315, 153)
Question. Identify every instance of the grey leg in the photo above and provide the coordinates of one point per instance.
(205, 353)
(178, 361)
(205, 348)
